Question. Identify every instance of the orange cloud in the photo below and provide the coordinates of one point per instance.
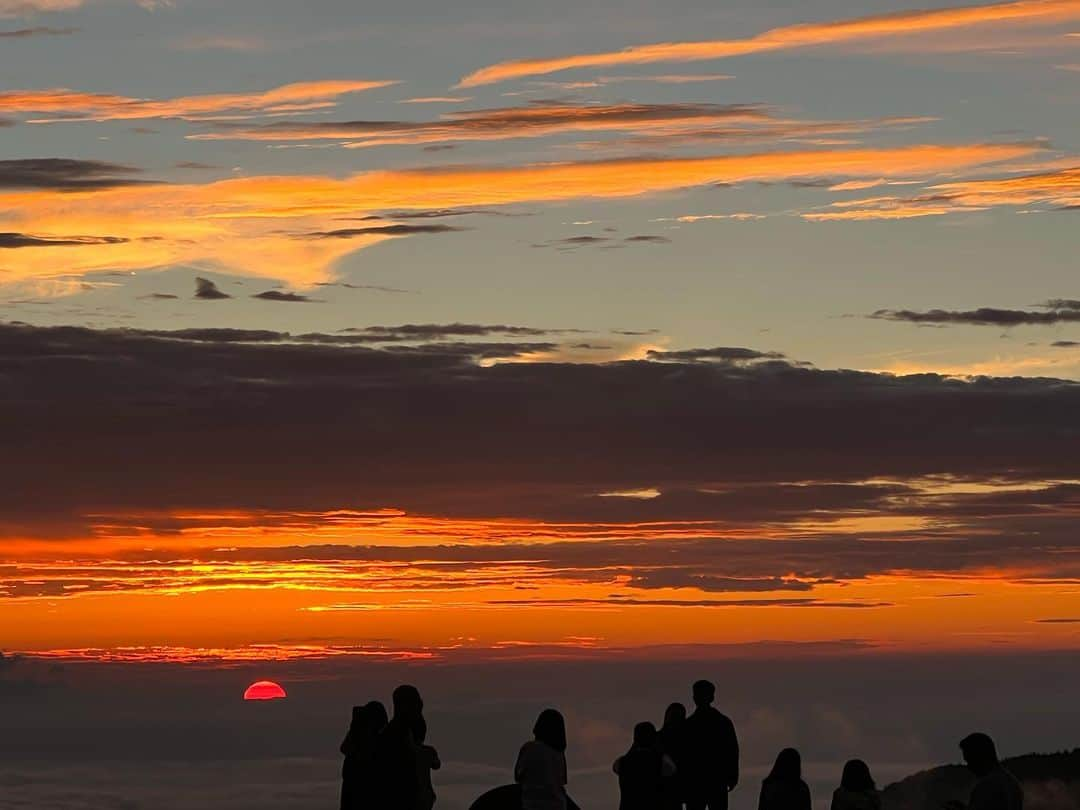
(71, 105)
(1060, 189)
(793, 36)
(255, 225)
(533, 121)
(18, 8)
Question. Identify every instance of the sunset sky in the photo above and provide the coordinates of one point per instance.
(348, 342)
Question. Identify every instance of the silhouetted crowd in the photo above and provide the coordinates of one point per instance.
(691, 762)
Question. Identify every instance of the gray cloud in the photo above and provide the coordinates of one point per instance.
(721, 354)
(381, 230)
(442, 434)
(283, 296)
(207, 290)
(1059, 310)
(65, 174)
(37, 31)
(22, 240)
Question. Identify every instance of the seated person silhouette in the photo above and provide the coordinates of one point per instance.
(784, 788)
(358, 769)
(995, 788)
(711, 768)
(540, 772)
(642, 771)
(541, 764)
(857, 790)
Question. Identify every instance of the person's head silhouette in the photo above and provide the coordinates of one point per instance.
(979, 751)
(674, 715)
(407, 701)
(788, 767)
(359, 717)
(645, 735)
(375, 714)
(857, 776)
(704, 693)
(550, 729)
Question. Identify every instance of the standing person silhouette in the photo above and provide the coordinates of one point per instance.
(712, 753)
(541, 764)
(642, 771)
(357, 771)
(857, 790)
(784, 788)
(995, 788)
(399, 757)
(673, 745)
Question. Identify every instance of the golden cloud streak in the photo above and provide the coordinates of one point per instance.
(71, 105)
(255, 226)
(793, 36)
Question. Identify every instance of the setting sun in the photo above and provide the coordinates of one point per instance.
(264, 690)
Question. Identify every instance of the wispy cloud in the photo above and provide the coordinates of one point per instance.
(533, 121)
(1053, 312)
(1023, 12)
(65, 174)
(19, 8)
(71, 105)
(37, 31)
(249, 225)
(1056, 189)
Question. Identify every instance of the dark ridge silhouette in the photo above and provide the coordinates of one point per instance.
(1050, 782)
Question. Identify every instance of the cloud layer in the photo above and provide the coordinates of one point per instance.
(1023, 12)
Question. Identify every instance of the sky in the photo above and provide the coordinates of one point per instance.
(520, 349)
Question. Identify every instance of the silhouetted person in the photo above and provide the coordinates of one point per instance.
(357, 771)
(427, 760)
(642, 771)
(399, 758)
(673, 744)
(784, 788)
(541, 764)
(857, 790)
(995, 788)
(712, 753)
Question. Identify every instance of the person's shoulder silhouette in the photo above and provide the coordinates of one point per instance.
(642, 771)
(857, 790)
(784, 788)
(995, 788)
(541, 764)
(358, 783)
